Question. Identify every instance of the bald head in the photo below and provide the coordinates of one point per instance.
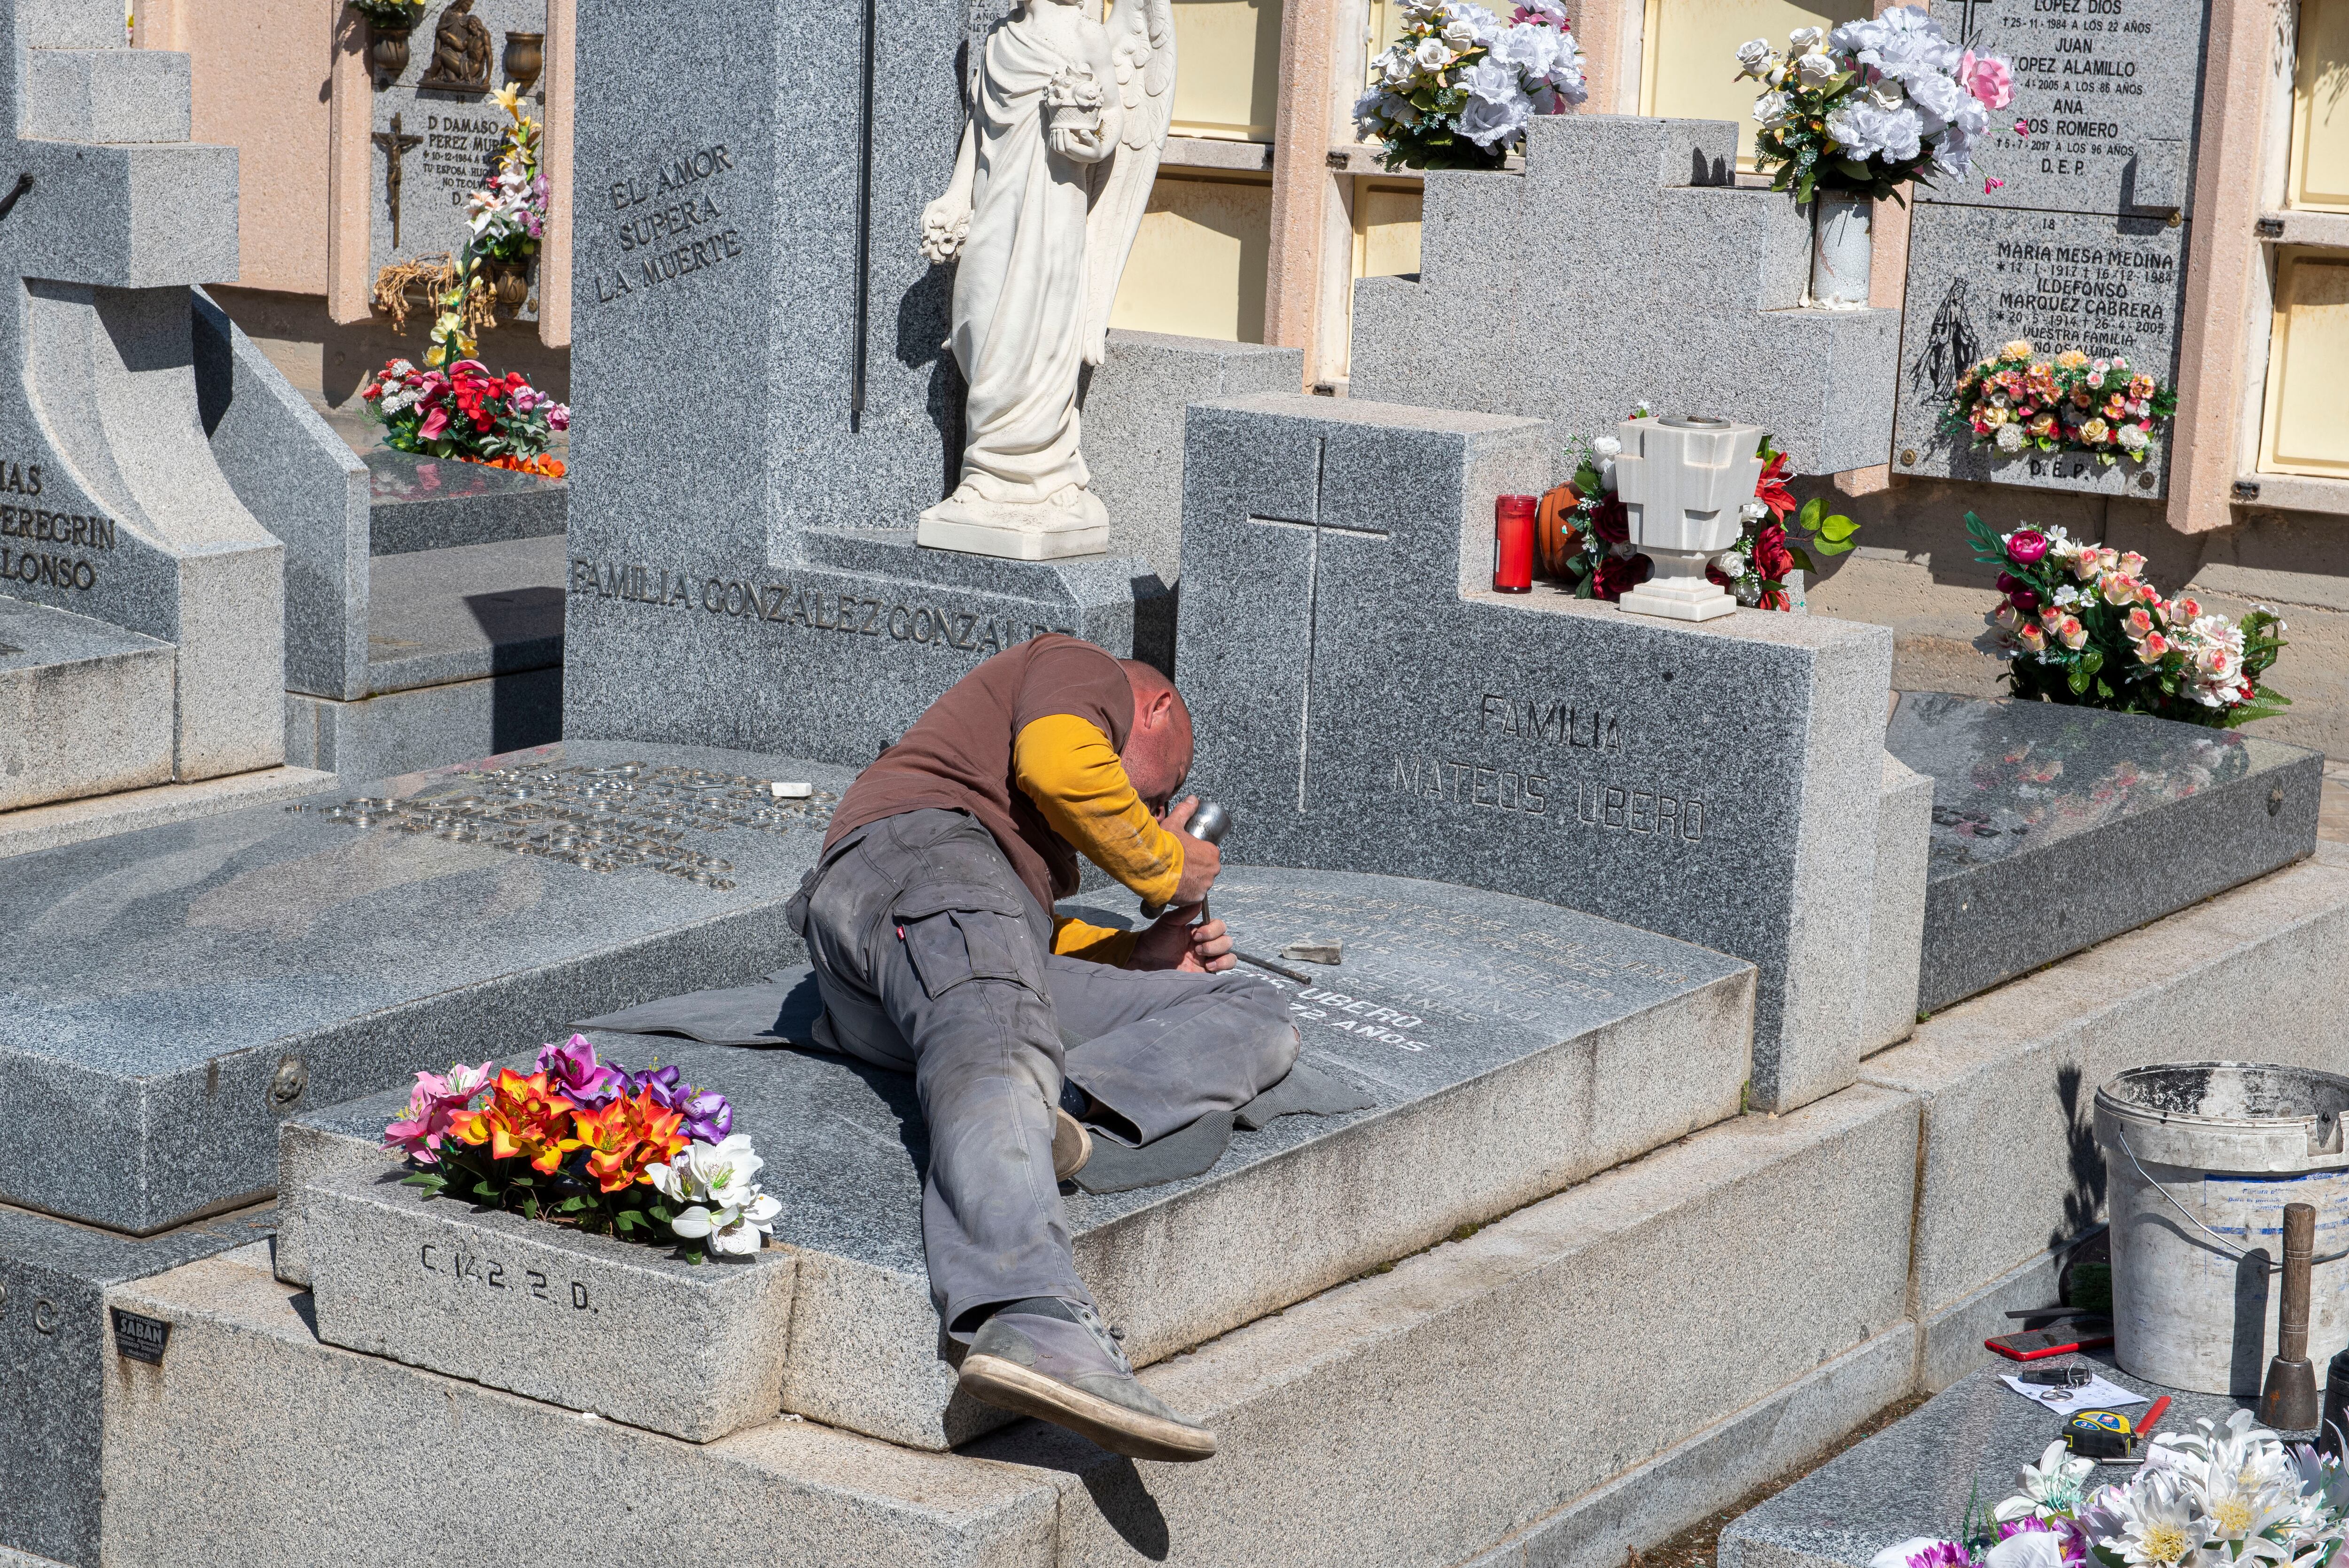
(1157, 754)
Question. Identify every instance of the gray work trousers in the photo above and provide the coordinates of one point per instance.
(932, 958)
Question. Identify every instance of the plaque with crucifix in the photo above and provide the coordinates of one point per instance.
(396, 148)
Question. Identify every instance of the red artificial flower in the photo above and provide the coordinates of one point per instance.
(1770, 557)
(1615, 574)
(1770, 489)
(2026, 547)
(1610, 521)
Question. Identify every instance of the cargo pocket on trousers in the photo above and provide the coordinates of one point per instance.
(961, 944)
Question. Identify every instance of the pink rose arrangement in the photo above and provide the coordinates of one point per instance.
(465, 412)
(2013, 403)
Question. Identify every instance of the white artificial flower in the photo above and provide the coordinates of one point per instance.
(1755, 56)
(1431, 54)
(1530, 48)
(1461, 35)
(2055, 1485)
(1485, 121)
(1886, 94)
(2009, 438)
(1752, 511)
(1551, 9)
(2027, 1548)
(1489, 80)
(739, 1231)
(1937, 95)
(1731, 563)
(1849, 123)
(2156, 1520)
(1772, 109)
(1816, 71)
(1807, 39)
(2131, 438)
(1605, 447)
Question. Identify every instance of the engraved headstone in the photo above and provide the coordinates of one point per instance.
(2083, 246)
(436, 135)
(761, 422)
(1365, 702)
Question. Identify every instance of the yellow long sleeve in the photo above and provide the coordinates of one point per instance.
(1072, 938)
(1073, 773)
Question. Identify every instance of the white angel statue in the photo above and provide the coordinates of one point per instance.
(1068, 116)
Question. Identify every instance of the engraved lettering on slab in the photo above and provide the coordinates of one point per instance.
(1647, 809)
(69, 532)
(604, 818)
(140, 1338)
(668, 224)
(806, 610)
(1550, 721)
(44, 1315)
(492, 1274)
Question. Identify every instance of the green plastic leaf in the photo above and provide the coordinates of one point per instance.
(2077, 680)
(529, 1204)
(1837, 528)
(1854, 170)
(2092, 660)
(1808, 517)
(1801, 557)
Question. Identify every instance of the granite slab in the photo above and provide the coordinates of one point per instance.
(424, 727)
(1509, 1047)
(429, 503)
(1365, 702)
(202, 980)
(84, 708)
(56, 1347)
(2056, 828)
(464, 612)
(631, 1333)
(1919, 1476)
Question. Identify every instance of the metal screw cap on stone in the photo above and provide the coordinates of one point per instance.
(1683, 479)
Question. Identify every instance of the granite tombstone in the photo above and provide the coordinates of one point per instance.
(1366, 702)
(1677, 287)
(764, 404)
(2082, 245)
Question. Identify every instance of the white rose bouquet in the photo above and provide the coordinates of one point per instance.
(1458, 87)
(1871, 106)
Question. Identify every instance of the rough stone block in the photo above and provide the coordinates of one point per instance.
(1500, 1040)
(2030, 796)
(1343, 1423)
(70, 24)
(256, 1444)
(56, 1349)
(424, 727)
(1896, 922)
(208, 979)
(127, 217)
(84, 708)
(431, 503)
(1716, 269)
(1920, 1475)
(1133, 411)
(631, 1333)
(2011, 1166)
(1346, 665)
(110, 95)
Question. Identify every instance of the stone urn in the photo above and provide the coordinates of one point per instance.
(510, 282)
(388, 49)
(1683, 479)
(526, 58)
(1841, 249)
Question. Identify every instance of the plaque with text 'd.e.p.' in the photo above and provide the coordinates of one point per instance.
(1979, 278)
(2105, 96)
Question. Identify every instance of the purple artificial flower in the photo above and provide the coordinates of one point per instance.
(572, 1072)
(665, 1085)
(1941, 1554)
(708, 1118)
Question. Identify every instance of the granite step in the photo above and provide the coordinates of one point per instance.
(1482, 1396)
(1509, 1048)
(86, 708)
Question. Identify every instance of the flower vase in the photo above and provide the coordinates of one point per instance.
(526, 58)
(1841, 249)
(388, 49)
(510, 280)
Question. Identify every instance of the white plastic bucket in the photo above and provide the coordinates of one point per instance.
(2202, 1158)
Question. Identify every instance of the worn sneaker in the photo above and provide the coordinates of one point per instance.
(1071, 1144)
(1057, 1361)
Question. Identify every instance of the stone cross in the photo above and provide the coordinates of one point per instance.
(395, 150)
(113, 505)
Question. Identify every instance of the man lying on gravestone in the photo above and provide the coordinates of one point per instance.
(929, 921)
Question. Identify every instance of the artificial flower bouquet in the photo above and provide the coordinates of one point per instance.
(465, 412)
(507, 217)
(2080, 625)
(1586, 532)
(2217, 1496)
(643, 1156)
(1878, 102)
(2013, 402)
(1458, 87)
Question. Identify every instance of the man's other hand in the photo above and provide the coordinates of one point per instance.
(1173, 942)
(1201, 860)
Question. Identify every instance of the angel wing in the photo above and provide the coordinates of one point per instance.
(1141, 42)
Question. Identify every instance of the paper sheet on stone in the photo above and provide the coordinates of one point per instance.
(2096, 1394)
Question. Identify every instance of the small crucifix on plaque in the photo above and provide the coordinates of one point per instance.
(395, 150)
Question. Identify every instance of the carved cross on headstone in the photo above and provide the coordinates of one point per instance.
(395, 149)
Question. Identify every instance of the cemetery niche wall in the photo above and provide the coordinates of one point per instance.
(2083, 246)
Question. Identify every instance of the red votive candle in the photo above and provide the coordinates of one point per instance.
(1512, 544)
